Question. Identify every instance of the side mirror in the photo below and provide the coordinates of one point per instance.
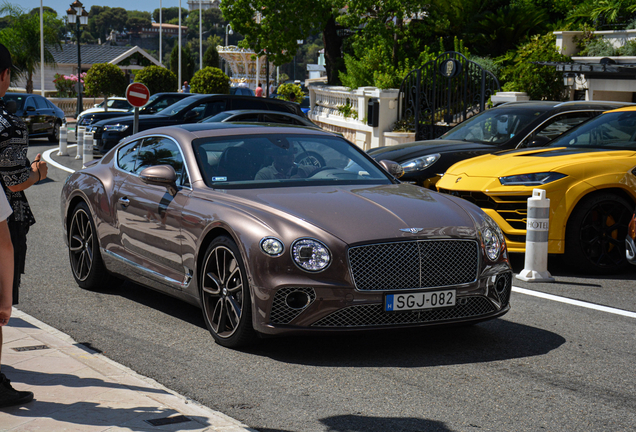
(30, 108)
(539, 141)
(393, 168)
(190, 115)
(160, 175)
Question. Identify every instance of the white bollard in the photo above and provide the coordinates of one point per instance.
(63, 141)
(79, 131)
(88, 148)
(537, 228)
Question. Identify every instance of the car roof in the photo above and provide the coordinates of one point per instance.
(624, 109)
(249, 111)
(566, 104)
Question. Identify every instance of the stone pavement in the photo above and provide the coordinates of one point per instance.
(77, 389)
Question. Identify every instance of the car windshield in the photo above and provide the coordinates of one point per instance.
(176, 107)
(283, 160)
(216, 118)
(18, 99)
(614, 130)
(495, 126)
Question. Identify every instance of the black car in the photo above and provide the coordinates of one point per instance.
(259, 116)
(192, 109)
(509, 126)
(156, 103)
(40, 115)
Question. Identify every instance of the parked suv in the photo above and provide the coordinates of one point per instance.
(509, 126)
(107, 133)
(155, 104)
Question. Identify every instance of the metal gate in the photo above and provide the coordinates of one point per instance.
(443, 93)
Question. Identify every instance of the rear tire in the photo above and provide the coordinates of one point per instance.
(225, 295)
(84, 255)
(595, 235)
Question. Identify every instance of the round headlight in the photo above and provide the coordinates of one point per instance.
(492, 245)
(310, 255)
(272, 246)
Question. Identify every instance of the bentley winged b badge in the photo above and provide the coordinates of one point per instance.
(411, 230)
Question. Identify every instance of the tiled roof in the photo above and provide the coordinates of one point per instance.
(91, 54)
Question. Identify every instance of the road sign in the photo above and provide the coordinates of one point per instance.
(137, 94)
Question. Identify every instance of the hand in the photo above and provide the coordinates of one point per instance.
(41, 167)
(5, 314)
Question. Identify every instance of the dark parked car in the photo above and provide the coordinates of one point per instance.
(509, 126)
(156, 103)
(40, 115)
(219, 215)
(107, 133)
(259, 116)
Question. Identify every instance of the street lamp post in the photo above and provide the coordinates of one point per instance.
(228, 31)
(77, 15)
(299, 42)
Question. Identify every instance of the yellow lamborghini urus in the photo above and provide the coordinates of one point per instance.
(589, 176)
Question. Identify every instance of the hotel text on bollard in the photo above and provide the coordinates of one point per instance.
(537, 229)
(63, 141)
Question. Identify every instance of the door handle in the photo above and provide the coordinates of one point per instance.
(125, 202)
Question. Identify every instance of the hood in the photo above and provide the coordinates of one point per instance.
(404, 152)
(359, 213)
(533, 161)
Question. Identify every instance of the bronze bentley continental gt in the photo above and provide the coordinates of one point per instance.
(275, 230)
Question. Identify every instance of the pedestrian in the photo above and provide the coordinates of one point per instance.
(271, 88)
(16, 173)
(8, 395)
(259, 91)
(185, 88)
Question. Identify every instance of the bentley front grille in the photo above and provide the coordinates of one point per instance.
(281, 312)
(373, 315)
(414, 264)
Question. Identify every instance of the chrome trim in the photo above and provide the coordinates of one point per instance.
(153, 274)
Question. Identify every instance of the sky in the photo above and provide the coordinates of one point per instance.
(61, 6)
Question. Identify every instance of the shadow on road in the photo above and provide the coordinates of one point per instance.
(360, 423)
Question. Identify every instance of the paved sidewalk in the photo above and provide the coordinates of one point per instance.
(77, 389)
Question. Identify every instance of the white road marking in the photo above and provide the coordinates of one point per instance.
(139, 95)
(574, 302)
(49, 161)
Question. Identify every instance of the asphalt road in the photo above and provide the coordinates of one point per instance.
(546, 365)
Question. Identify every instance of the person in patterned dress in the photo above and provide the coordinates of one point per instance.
(16, 172)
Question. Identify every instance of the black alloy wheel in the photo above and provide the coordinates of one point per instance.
(83, 248)
(595, 238)
(55, 134)
(225, 295)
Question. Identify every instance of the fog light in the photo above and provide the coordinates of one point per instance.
(297, 300)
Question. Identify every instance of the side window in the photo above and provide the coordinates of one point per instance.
(162, 151)
(281, 107)
(30, 102)
(215, 107)
(245, 118)
(127, 156)
(277, 118)
(251, 104)
(40, 103)
(555, 126)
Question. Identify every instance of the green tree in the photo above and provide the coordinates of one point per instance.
(187, 63)
(105, 79)
(169, 14)
(137, 21)
(279, 25)
(540, 82)
(103, 20)
(22, 38)
(158, 79)
(210, 80)
(603, 11)
(211, 57)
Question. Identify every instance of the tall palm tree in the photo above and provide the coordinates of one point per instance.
(22, 38)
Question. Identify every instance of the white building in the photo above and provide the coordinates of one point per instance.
(204, 4)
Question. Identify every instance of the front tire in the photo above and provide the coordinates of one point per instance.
(595, 236)
(225, 295)
(55, 135)
(83, 249)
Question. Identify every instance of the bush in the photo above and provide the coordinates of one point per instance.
(210, 80)
(211, 57)
(158, 79)
(629, 49)
(187, 63)
(598, 47)
(105, 79)
(286, 90)
(66, 84)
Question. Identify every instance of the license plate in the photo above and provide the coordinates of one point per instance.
(421, 300)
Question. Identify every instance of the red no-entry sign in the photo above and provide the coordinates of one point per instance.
(137, 94)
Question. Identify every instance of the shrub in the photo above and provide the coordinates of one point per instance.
(105, 79)
(210, 80)
(66, 84)
(211, 57)
(629, 49)
(598, 47)
(285, 91)
(158, 79)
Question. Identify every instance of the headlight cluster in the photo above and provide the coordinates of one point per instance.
(535, 179)
(420, 163)
(492, 238)
(308, 254)
(115, 128)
